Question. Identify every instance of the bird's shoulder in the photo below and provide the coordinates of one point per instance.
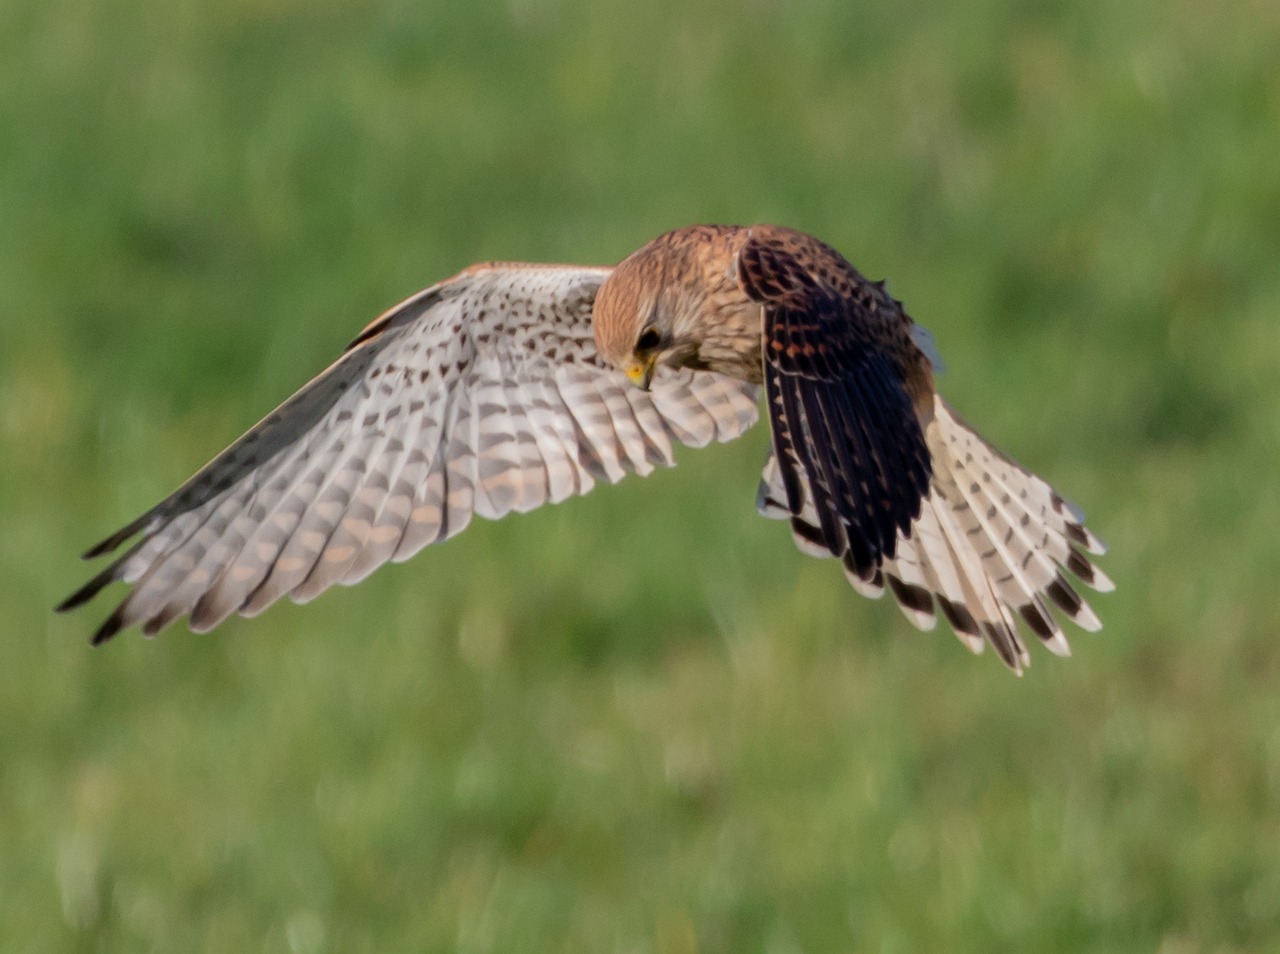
(821, 311)
(787, 266)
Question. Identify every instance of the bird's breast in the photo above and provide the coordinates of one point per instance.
(728, 337)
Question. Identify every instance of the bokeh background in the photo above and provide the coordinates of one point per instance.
(641, 721)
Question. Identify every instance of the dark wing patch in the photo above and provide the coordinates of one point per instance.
(838, 405)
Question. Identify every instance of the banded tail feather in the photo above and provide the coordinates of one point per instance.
(993, 544)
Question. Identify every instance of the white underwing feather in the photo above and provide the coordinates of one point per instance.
(481, 395)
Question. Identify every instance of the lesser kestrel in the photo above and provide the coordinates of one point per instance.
(511, 385)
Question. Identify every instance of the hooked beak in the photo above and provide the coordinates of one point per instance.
(641, 371)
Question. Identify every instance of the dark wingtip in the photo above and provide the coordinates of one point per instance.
(959, 617)
(98, 549)
(113, 541)
(1007, 645)
(1034, 618)
(88, 591)
(1078, 565)
(857, 562)
(71, 602)
(1061, 592)
(911, 596)
(809, 533)
(110, 626)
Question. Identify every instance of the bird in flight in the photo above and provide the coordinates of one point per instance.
(512, 385)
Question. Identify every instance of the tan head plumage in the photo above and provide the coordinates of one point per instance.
(676, 302)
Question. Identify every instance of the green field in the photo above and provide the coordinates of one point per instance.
(641, 721)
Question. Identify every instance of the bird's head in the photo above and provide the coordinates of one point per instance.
(642, 318)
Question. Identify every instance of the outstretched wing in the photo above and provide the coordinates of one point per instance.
(848, 443)
(482, 395)
(903, 491)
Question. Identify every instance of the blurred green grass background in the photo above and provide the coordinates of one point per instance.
(641, 721)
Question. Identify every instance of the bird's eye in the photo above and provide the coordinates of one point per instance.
(649, 340)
